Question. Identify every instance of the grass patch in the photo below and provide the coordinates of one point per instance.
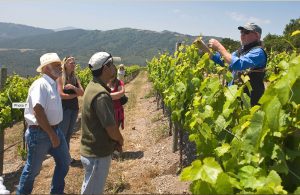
(150, 94)
(132, 99)
(117, 186)
(161, 132)
(152, 172)
(156, 117)
(14, 134)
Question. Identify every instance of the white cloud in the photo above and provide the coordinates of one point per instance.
(176, 11)
(243, 18)
(180, 14)
(258, 20)
(236, 16)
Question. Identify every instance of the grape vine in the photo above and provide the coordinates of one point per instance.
(239, 149)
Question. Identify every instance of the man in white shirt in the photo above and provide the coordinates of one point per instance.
(43, 135)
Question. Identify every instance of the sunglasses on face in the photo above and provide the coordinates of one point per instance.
(246, 32)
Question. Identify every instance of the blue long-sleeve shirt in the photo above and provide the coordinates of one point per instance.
(255, 58)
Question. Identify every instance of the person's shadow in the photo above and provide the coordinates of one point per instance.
(11, 179)
(128, 155)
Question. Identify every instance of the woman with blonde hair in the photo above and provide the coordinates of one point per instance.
(69, 88)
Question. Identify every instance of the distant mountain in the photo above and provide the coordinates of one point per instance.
(134, 46)
(12, 31)
(65, 28)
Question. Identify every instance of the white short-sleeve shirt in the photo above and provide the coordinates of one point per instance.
(43, 91)
(121, 74)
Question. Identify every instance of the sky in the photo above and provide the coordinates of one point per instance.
(208, 18)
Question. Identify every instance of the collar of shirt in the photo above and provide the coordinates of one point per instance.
(49, 79)
(102, 83)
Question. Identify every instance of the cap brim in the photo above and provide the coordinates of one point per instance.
(244, 28)
(116, 59)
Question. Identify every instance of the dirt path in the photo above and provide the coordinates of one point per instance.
(147, 164)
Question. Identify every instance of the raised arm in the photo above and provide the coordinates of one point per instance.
(121, 91)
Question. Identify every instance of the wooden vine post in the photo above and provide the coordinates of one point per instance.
(3, 76)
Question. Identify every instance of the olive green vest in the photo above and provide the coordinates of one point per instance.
(95, 141)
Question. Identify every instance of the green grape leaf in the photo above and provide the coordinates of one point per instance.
(255, 133)
(278, 156)
(192, 172)
(296, 92)
(250, 177)
(231, 92)
(272, 111)
(201, 187)
(272, 185)
(297, 191)
(210, 170)
(223, 185)
(220, 123)
(222, 149)
(180, 87)
(196, 81)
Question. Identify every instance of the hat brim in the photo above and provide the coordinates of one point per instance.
(116, 59)
(243, 28)
(39, 69)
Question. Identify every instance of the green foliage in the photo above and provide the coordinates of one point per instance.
(84, 75)
(240, 149)
(22, 152)
(276, 43)
(230, 44)
(131, 69)
(285, 42)
(15, 90)
(291, 27)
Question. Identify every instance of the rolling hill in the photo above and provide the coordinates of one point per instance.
(21, 53)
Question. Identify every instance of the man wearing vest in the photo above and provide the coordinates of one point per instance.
(251, 56)
(100, 133)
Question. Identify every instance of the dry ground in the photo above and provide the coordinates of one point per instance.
(147, 164)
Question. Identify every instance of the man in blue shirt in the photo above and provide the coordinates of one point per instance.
(251, 57)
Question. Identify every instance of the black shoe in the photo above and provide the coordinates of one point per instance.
(73, 161)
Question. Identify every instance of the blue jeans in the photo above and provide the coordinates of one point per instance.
(68, 123)
(96, 171)
(39, 145)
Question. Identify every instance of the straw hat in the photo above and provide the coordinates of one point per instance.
(46, 59)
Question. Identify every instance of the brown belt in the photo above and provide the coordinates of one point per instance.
(39, 127)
